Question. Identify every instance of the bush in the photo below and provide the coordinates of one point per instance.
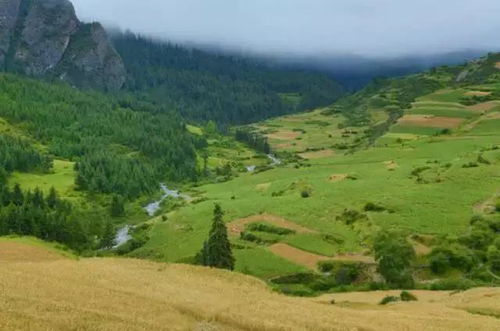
(305, 194)
(347, 274)
(262, 227)
(454, 256)
(349, 216)
(370, 206)
(407, 296)
(395, 256)
(452, 284)
(388, 299)
(297, 278)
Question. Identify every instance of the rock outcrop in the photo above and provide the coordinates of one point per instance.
(44, 38)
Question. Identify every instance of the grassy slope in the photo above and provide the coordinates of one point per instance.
(442, 202)
(119, 294)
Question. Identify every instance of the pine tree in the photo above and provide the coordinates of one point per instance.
(108, 237)
(17, 196)
(216, 251)
(52, 198)
(117, 208)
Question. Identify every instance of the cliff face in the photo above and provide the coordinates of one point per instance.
(44, 38)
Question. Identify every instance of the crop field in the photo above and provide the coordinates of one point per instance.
(57, 292)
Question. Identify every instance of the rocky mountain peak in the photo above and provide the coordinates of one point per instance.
(44, 38)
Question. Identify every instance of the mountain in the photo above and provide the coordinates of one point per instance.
(44, 38)
(204, 85)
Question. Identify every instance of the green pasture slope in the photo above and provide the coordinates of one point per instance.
(420, 175)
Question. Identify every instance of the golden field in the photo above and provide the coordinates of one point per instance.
(43, 290)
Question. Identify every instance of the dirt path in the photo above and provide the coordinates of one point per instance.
(311, 260)
(238, 226)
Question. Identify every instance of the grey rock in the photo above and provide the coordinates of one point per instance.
(44, 38)
(91, 61)
(9, 11)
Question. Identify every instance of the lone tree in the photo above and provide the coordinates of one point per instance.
(216, 251)
(394, 256)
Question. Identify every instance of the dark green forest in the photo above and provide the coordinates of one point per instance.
(205, 86)
(120, 145)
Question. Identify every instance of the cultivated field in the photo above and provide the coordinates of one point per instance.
(45, 291)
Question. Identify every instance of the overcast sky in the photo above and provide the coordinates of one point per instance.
(307, 27)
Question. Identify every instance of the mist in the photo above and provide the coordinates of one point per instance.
(369, 28)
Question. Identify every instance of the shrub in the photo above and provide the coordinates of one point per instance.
(407, 296)
(297, 278)
(305, 194)
(395, 256)
(347, 274)
(452, 284)
(388, 299)
(454, 256)
(262, 227)
(370, 206)
(349, 216)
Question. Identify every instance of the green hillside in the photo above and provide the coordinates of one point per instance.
(420, 155)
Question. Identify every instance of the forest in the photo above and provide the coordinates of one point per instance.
(204, 86)
(120, 145)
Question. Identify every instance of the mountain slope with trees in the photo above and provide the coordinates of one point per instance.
(206, 86)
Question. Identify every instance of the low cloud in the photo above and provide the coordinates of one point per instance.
(372, 28)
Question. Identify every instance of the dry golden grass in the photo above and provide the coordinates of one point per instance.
(478, 93)
(119, 294)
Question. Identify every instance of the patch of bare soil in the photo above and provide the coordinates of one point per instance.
(391, 165)
(284, 135)
(263, 187)
(17, 252)
(431, 121)
(478, 93)
(485, 106)
(337, 178)
(317, 154)
(497, 65)
(298, 256)
(311, 260)
(238, 226)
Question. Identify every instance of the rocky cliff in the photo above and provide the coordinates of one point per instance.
(44, 38)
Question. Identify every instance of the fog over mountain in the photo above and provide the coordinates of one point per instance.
(375, 36)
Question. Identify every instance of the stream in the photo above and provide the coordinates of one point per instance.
(274, 160)
(122, 236)
(153, 207)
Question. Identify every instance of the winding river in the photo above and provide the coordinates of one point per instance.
(153, 207)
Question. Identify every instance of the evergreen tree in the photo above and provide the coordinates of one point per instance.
(117, 208)
(17, 196)
(52, 198)
(216, 251)
(108, 237)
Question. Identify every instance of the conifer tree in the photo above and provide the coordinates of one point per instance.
(117, 208)
(108, 237)
(52, 198)
(216, 250)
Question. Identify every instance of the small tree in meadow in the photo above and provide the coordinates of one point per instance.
(216, 251)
